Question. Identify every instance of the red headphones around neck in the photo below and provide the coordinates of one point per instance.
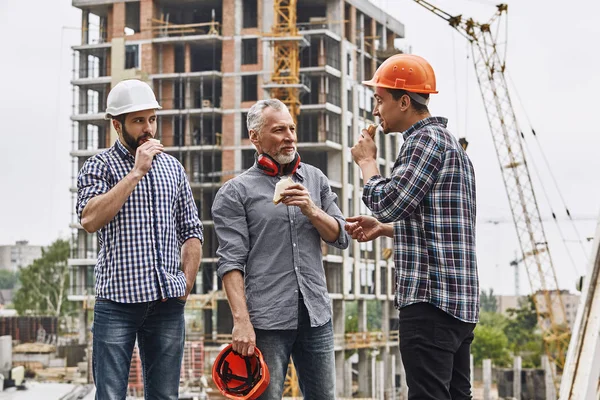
(269, 166)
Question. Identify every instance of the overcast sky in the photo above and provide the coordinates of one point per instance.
(552, 61)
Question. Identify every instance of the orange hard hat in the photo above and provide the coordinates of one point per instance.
(238, 377)
(404, 71)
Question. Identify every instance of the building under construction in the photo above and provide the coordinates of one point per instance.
(208, 62)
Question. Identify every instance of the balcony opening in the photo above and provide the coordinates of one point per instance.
(248, 158)
(244, 133)
(249, 14)
(347, 24)
(132, 56)
(178, 131)
(205, 57)
(179, 58)
(334, 128)
(207, 167)
(249, 51)
(333, 91)
(206, 130)
(250, 88)
(312, 16)
(132, 18)
(207, 93)
(179, 94)
(317, 159)
(308, 127)
(188, 18)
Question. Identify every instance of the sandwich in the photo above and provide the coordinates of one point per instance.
(371, 129)
(280, 187)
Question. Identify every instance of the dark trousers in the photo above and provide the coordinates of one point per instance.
(435, 349)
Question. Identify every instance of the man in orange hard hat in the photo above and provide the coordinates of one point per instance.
(428, 207)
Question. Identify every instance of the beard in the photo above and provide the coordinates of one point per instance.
(284, 159)
(132, 142)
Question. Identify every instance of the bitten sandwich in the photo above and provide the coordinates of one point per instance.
(371, 129)
(280, 187)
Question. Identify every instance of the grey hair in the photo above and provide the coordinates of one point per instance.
(255, 120)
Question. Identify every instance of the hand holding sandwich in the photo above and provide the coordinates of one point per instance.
(364, 153)
(295, 194)
(145, 154)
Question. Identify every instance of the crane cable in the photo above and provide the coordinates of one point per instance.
(549, 169)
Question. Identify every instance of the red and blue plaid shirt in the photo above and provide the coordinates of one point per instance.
(430, 199)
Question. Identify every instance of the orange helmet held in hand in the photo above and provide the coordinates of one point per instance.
(404, 71)
(239, 377)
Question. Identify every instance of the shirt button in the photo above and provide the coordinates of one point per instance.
(294, 244)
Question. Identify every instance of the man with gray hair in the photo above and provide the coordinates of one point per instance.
(270, 256)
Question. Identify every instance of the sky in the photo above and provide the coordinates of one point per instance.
(552, 69)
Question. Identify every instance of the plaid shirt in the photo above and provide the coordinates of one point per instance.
(140, 248)
(430, 199)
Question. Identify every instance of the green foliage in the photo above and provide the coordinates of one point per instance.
(500, 337)
(488, 301)
(8, 279)
(490, 342)
(44, 283)
(374, 315)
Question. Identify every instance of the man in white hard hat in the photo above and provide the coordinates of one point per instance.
(139, 202)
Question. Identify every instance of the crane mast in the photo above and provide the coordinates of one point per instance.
(285, 79)
(490, 70)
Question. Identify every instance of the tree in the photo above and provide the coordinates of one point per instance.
(8, 279)
(489, 302)
(374, 313)
(490, 342)
(44, 283)
(523, 334)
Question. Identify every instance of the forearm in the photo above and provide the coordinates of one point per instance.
(233, 283)
(101, 209)
(369, 169)
(326, 225)
(191, 255)
(388, 230)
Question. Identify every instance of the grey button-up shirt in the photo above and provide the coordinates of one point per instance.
(275, 246)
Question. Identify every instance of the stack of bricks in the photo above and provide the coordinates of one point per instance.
(136, 384)
(192, 367)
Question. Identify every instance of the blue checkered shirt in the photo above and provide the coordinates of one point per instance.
(430, 199)
(139, 259)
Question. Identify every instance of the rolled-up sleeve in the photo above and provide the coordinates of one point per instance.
(231, 228)
(188, 223)
(397, 198)
(93, 180)
(330, 206)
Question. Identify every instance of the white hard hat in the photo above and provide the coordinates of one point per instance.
(129, 96)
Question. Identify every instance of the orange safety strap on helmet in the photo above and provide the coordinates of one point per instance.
(408, 72)
(238, 377)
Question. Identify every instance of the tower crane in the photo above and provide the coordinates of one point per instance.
(490, 68)
(285, 79)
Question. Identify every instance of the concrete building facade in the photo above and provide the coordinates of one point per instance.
(18, 255)
(569, 300)
(208, 62)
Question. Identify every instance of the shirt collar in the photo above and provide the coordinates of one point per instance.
(122, 150)
(424, 122)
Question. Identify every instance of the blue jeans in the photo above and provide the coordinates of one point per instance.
(313, 355)
(160, 331)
